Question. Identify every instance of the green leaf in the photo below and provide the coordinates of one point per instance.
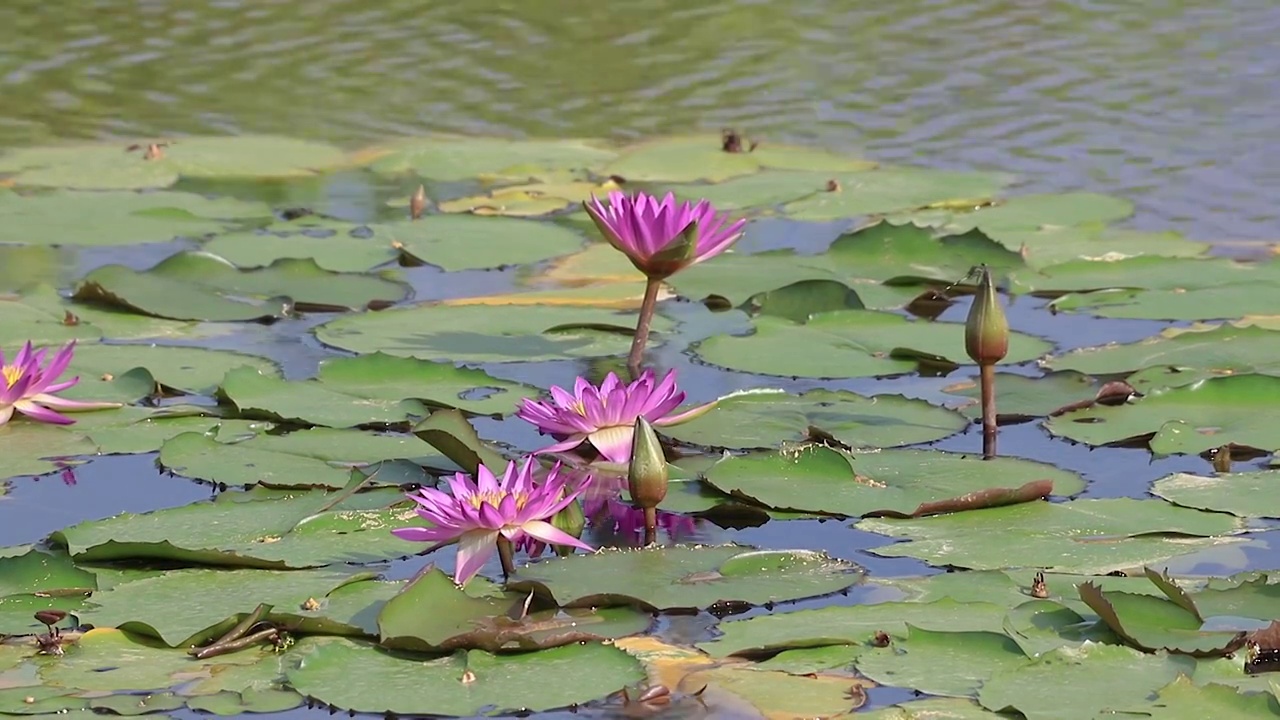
(935, 709)
(1082, 683)
(1080, 536)
(200, 286)
(255, 529)
(475, 242)
(268, 700)
(30, 448)
(851, 343)
(1183, 699)
(702, 157)
(764, 189)
(476, 334)
(115, 218)
(679, 577)
(184, 369)
(817, 479)
(362, 678)
(778, 694)
(107, 660)
(849, 624)
(1009, 221)
(37, 571)
(333, 245)
(1256, 598)
(941, 663)
(1246, 494)
(1019, 396)
(1143, 272)
(459, 619)
(762, 418)
(1226, 349)
(110, 166)
(803, 661)
(453, 435)
(1238, 410)
(1214, 303)
(189, 607)
(449, 158)
(886, 190)
(1150, 624)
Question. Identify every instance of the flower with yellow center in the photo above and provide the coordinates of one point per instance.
(29, 388)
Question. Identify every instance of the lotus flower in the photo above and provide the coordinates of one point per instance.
(476, 513)
(606, 415)
(28, 388)
(662, 237)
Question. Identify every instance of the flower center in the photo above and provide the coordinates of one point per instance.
(11, 375)
(494, 499)
(579, 408)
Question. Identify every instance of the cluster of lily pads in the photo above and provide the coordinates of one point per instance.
(281, 589)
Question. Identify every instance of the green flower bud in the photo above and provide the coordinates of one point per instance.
(647, 472)
(986, 332)
(572, 521)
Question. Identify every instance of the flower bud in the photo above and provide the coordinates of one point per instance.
(572, 521)
(647, 472)
(986, 332)
(417, 203)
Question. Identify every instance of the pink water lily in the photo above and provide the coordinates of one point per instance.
(605, 416)
(476, 513)
(28, 388)
(652, 232)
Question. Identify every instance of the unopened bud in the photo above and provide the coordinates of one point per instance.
(986, 332)
(417, 202)
(569, 520)
(647, 472)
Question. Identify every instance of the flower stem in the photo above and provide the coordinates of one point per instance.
(650, 526)
(987, 380)
(506, 553)
(641, 338)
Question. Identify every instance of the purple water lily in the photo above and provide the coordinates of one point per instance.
(28, 388)
(652, 232)
(606, 415)
(477, 513)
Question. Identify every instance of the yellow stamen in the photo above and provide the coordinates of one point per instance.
(494, 499)
(579, 408)
(11, 374)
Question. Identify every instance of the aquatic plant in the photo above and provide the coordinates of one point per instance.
(30, 387)
(986, 340)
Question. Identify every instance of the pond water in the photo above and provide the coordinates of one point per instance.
(1168, 104)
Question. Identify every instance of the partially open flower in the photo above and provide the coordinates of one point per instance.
(986, 332)
(28, 388)
(662, 237)
(605, 416)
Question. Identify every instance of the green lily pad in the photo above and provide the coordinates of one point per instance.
(803, 661)
(764, 418)
(1080, 536)
(184, 369)
(109, 166)
(936, 709)
(42, 316)
(941, 663)
(702, 157)
(35, 700)
(255, 529)
(665, 578)
(886, 190)
(1183, 699)
(1190, 419)
(116, 218)
(473, 242)
(1039, 626)
(1151, 623)
(1019, 396)
(1213, 303)
(1225, 349)
(188, 607)
(851, 343)
(1009, 221)
(764, 189)
(850, 624)
(23, 265)
(1145, 272)
(129, 705)
(493, 623)
(375, 388)
(1245, 494)
(269, 700)
(29, 448)
(1082, 683)
(455, 158)
(37, 571)
(363, 678)
(132, 430)
(333, 245)
(200, 286)
(817, 479)
(1254, 598)
(476, 334)
(774, 694)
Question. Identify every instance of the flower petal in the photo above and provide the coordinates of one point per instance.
(687, 415)
(53, 402)
(613, 443)
(474, 550)
(35, 412)
(548, 533)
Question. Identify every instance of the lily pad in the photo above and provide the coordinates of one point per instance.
(475, 334)
(183, 369)
(1226, 349)
(30, 449)
(822, 480)
(936, 709)
(471, 242)
(459, 619)
(764, 189)
(668, 578)
(702, 157)
(116, 218)
(255, 529)
(529, 200)
(333, 245)
(1080, 536)
(1020, 397)
(1213, 303)
(363, 678)
(1182, 699)
(1143, 272)
(764, 418)
(896, 189)
(1150, 623)
(942, 663)
(1010, 221)
(776, 694)
(200, 286)
(110, 166)
(455, 158)
(1245, 494)
(851, 343)
(1206, 414)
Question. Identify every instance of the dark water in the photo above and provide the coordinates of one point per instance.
(1170, 104)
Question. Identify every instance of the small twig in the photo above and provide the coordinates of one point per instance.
(223, 648)
(238, 631)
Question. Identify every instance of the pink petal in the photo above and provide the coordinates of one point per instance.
(6, 413)
(549, 534)
(423, 534)
(53, 402)
(563, 446)
(35, 412)
(687, 415)
(474, 550)
(613, 443)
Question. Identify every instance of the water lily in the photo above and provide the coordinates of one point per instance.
(478, 513)
(605, 416)
(661, 237)
(27, 386)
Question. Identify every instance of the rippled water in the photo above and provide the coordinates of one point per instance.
(1168, 102)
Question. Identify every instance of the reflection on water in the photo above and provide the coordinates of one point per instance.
(1164, 101)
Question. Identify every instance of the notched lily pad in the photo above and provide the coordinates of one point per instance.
(452, 158)
(1150, 623)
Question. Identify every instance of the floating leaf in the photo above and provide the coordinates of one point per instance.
(470, 242)
(935, 709)
(665, 578)
(1214, 303)
(778, 694)
(764, 418)
(456, 158)
(115, 218)
(1020, 398)
(1183, 698)
(1080, 536)
(333, 245)
(1150, 623)
(1246, 494)
(702, 157)
(363, 678)
(941, 662)
(886, 190)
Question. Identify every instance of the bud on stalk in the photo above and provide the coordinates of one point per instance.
(647, 475)
(986, 340)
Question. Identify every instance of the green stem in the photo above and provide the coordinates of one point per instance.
(506, 553)
(987, 379)
(641, 338)
(650, 526)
